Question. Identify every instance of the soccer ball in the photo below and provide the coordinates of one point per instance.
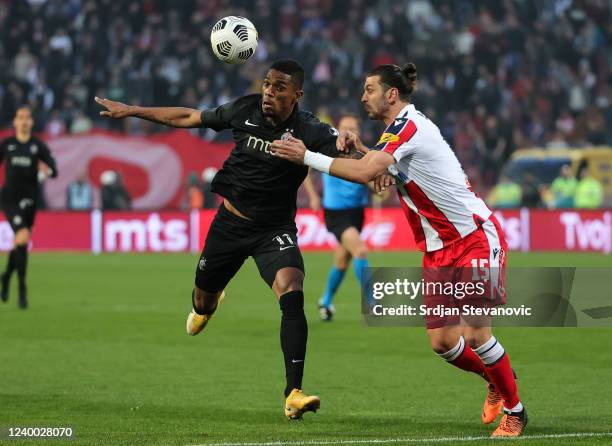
(234, 39)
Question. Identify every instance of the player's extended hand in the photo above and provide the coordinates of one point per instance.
(382, 183)
(290, 149)
(348, 140)
(114, 109)
(44, 171)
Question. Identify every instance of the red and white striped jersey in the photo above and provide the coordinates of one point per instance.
(434, 191)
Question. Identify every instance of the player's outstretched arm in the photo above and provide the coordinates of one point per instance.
(171, 116)
(363, 170)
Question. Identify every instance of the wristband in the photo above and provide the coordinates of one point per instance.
(318, 161)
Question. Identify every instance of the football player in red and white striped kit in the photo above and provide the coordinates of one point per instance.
(451, 224)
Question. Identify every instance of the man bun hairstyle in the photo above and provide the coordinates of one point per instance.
(403, 78)
(292, 68)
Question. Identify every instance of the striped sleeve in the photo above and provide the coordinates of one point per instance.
(396, 136)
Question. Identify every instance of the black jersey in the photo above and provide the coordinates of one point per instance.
(260, 185)
(21, 171)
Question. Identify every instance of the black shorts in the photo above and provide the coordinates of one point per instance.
(20, 214)
(339, 220)
(231, 239)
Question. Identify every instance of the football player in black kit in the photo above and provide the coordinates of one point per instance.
(28, 160)
(257, 216)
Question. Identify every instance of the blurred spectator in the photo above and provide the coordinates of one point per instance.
(506, 194)
(81, 123)
(210, 198)
(530, 191)
(114, 195)
(56, 125)
(79, 196)
(494, 75)
(563, 188)
(194, 195)
(589, 191)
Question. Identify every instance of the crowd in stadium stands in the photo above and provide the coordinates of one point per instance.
(494, 75)
(566, 191)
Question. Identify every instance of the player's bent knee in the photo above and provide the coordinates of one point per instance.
(440, 347)
(290, 286)
(441, 340)
(287, 280)
(361, 252)
(476, 337)
(341, 265)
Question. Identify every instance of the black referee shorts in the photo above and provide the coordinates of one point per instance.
(20, 213)
(339, 220)
(231, 239)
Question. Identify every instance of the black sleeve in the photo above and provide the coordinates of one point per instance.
(220, 118)
(47, 158)
(322, 139)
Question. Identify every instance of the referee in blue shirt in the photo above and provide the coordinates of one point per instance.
(344, 209)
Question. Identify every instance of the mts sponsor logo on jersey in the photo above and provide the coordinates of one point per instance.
(587, 234)
(149, 232)
(258, 144)
(21, 161)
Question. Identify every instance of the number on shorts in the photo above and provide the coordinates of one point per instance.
(480, 269)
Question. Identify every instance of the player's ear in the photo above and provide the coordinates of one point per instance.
(391, 94)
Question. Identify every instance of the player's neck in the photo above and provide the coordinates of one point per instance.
(393, 111)
(23, 137)
(278, 120)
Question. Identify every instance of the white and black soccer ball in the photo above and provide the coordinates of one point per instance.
(234, 39)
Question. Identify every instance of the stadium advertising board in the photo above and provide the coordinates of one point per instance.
(385, 229)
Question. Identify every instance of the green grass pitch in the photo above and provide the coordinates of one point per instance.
(103, 349)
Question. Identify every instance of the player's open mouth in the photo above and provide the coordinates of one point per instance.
(266, 105)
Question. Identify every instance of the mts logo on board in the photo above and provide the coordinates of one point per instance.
(147, 233)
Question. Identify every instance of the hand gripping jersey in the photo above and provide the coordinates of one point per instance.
(434, 191)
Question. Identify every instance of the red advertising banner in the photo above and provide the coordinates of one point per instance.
(154, 168)
(384, 229)
(571, 231)
(515, 224)
(54, 231)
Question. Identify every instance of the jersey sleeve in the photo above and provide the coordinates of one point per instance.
(220, 118)
(398, 139)
(46, 157)
(322, 139)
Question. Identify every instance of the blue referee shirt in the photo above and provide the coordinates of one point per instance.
(341, 194)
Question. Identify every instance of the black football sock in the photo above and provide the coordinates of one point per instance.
(21, 263)
(206, 309)
(293, 336)
(10, 264)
